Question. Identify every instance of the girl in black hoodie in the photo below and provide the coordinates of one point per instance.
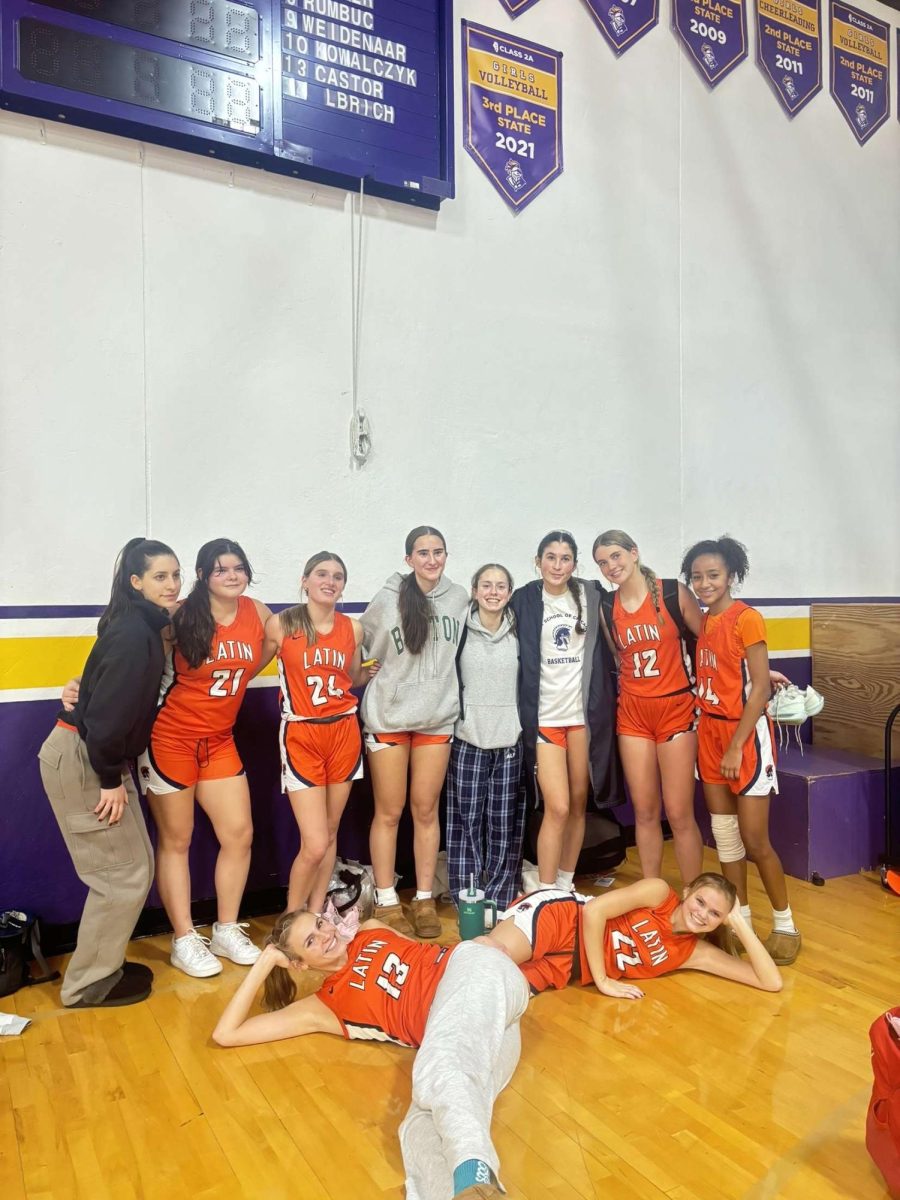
(85, 771)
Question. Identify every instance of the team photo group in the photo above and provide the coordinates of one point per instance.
(502, 699)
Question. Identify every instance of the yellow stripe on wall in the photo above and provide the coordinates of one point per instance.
(788, 633)
(42, 662)
(50, 662)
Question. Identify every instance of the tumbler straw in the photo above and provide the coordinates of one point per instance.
(472, 884)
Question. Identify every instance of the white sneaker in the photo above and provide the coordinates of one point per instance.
(786, 707)
(230, 941)
(191, 955)
(813, 702)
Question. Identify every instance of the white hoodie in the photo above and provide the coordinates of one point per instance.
(413, 691)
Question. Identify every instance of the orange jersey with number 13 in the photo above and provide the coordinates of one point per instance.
(204, 701)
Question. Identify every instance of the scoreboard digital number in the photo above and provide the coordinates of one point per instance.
(332, 90)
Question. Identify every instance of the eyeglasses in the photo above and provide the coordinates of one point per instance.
(501, 588)
(218, 572)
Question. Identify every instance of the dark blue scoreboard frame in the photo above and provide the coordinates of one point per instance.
(330, 90)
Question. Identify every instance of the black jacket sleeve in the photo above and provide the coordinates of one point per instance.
(116, 703)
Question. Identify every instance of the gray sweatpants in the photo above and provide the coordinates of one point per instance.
(115, 861)
(468, 1055)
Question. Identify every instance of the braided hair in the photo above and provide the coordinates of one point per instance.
(618, 537)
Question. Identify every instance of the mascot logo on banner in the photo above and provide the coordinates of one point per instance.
(860, 69)
(512, 111)
(623, 22)
(789, 49)
(515, 8)
(714, 33)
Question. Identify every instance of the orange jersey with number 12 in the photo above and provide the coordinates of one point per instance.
(651, 655)
(204, 701)
(723, 678)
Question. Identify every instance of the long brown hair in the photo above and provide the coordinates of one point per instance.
(618, 537)
(297, 619)
(562, 535)
(134, 559)
(280, 990)
(415, 611)
(195, 626)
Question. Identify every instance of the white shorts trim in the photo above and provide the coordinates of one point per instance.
(524, 914)
(767, 777)
(150, 780)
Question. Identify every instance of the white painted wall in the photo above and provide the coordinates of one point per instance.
(692, 330)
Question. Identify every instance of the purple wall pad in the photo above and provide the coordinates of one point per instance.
(829, 815)
(35, 869)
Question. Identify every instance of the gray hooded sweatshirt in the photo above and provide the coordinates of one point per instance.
(413, 691)
(488, 670)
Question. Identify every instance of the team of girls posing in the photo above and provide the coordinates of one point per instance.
(461, 1004)
(441, 663)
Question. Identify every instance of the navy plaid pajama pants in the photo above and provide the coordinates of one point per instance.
(485, 820)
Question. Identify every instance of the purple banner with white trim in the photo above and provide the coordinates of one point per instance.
(860, 69)
(515, 8)
(715, 34)
(512, 111)
(623, 22)
(789, 49)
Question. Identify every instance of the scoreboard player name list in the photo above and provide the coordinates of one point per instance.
(333, 44)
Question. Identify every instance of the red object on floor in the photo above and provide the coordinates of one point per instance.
(892, 881)
(883, 1119)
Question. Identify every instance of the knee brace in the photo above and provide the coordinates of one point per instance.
(727, 835)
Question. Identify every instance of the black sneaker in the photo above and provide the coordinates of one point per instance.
(132, 988)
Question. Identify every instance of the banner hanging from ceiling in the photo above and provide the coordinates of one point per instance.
(714, 33)
(623, 22)
(789, 49)
(860, 69)
(515, 8)
(512, 111)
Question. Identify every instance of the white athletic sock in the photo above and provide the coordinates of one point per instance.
(746, 914)
(542, 885)
(384, 896)
(565, 880)
(783, 922)
(423, 895)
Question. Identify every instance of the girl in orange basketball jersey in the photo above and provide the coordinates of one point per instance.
(321, 749)
(736, 750)
(221, 645)
(459, 1004)
(643, 620)
(412, 628)
(635, 932)
(566, 701)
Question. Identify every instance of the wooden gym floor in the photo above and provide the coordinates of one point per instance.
(702, 1089)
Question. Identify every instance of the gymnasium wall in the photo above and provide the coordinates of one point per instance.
(693, 330)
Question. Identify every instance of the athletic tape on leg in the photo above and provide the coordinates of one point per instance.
(727, 835)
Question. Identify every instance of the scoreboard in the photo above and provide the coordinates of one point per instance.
(336, 91)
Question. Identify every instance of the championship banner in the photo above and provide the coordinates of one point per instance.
(512, 111)
(715, 33)
(516, 7)
(622, 22)
(789, 49)
(860, 69)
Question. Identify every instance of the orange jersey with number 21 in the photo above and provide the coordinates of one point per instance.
(204, 701)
